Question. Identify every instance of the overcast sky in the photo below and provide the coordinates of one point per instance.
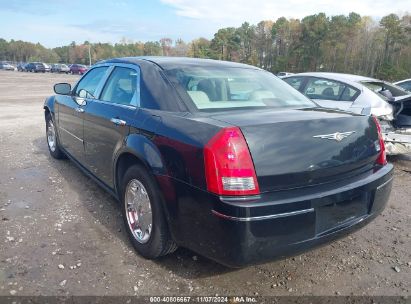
(58, 22)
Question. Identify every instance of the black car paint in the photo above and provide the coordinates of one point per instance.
(282, 161)
(167, 136)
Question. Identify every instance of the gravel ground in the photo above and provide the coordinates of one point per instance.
(61, 234)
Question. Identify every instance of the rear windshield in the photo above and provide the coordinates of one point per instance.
(228, 88)
(377, 87)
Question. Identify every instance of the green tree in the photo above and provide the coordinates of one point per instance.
(394, 35)
(314, 31)
(152, 48)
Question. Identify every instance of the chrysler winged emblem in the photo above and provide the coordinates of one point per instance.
(335, 136)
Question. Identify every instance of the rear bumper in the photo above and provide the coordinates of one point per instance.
(238, 233)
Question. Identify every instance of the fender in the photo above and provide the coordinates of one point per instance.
(144, 150)
(49, 104)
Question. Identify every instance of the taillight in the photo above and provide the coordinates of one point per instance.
(229, 169)
(382, 158)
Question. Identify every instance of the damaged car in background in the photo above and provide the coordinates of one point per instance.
(363, 95)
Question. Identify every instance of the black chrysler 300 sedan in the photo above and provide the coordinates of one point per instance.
(222, 158)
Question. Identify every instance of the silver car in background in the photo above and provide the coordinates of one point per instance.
(6, 66)
(60, 68)
(362, 95)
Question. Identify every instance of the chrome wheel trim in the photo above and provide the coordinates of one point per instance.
(51, 136)
(138, 211)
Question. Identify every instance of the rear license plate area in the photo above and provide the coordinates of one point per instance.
(333, 215)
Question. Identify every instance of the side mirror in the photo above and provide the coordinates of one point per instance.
(62, 88)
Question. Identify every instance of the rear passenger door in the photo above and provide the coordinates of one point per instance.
(106, 119)
(330, 93)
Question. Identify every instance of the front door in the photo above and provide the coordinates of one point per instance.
(106, 121)
(70, 125)
(71, 113)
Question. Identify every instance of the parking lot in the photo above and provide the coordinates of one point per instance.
(63, 235)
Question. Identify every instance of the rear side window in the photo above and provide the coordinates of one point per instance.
(122, 87)
(320, 88)
(349, 94)
(327, 89)
(88, 84)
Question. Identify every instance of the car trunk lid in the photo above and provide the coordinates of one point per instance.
(297, 148)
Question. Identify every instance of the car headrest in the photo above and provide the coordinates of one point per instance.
(199, 97)
(328, 92)
(260, 95)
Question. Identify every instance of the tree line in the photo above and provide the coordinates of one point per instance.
(348, 44)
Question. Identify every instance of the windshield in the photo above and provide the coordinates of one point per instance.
(227, 88)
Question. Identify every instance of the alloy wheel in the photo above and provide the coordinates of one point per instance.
(138, 211)
(51, 136)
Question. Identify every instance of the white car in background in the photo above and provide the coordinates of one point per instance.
(362, 95)
(405, 84)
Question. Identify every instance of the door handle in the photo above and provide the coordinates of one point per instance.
(80, 110)
(118, 122)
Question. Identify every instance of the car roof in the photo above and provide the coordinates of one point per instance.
(337, 76)
(168, 63)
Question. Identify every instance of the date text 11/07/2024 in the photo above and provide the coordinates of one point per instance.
(203, 299)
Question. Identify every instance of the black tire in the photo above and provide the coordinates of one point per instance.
(56, 153)
(160, 242)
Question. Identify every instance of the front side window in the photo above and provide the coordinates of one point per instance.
(88, 84)
(122, 87)
(295, 82)
(228, 88)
